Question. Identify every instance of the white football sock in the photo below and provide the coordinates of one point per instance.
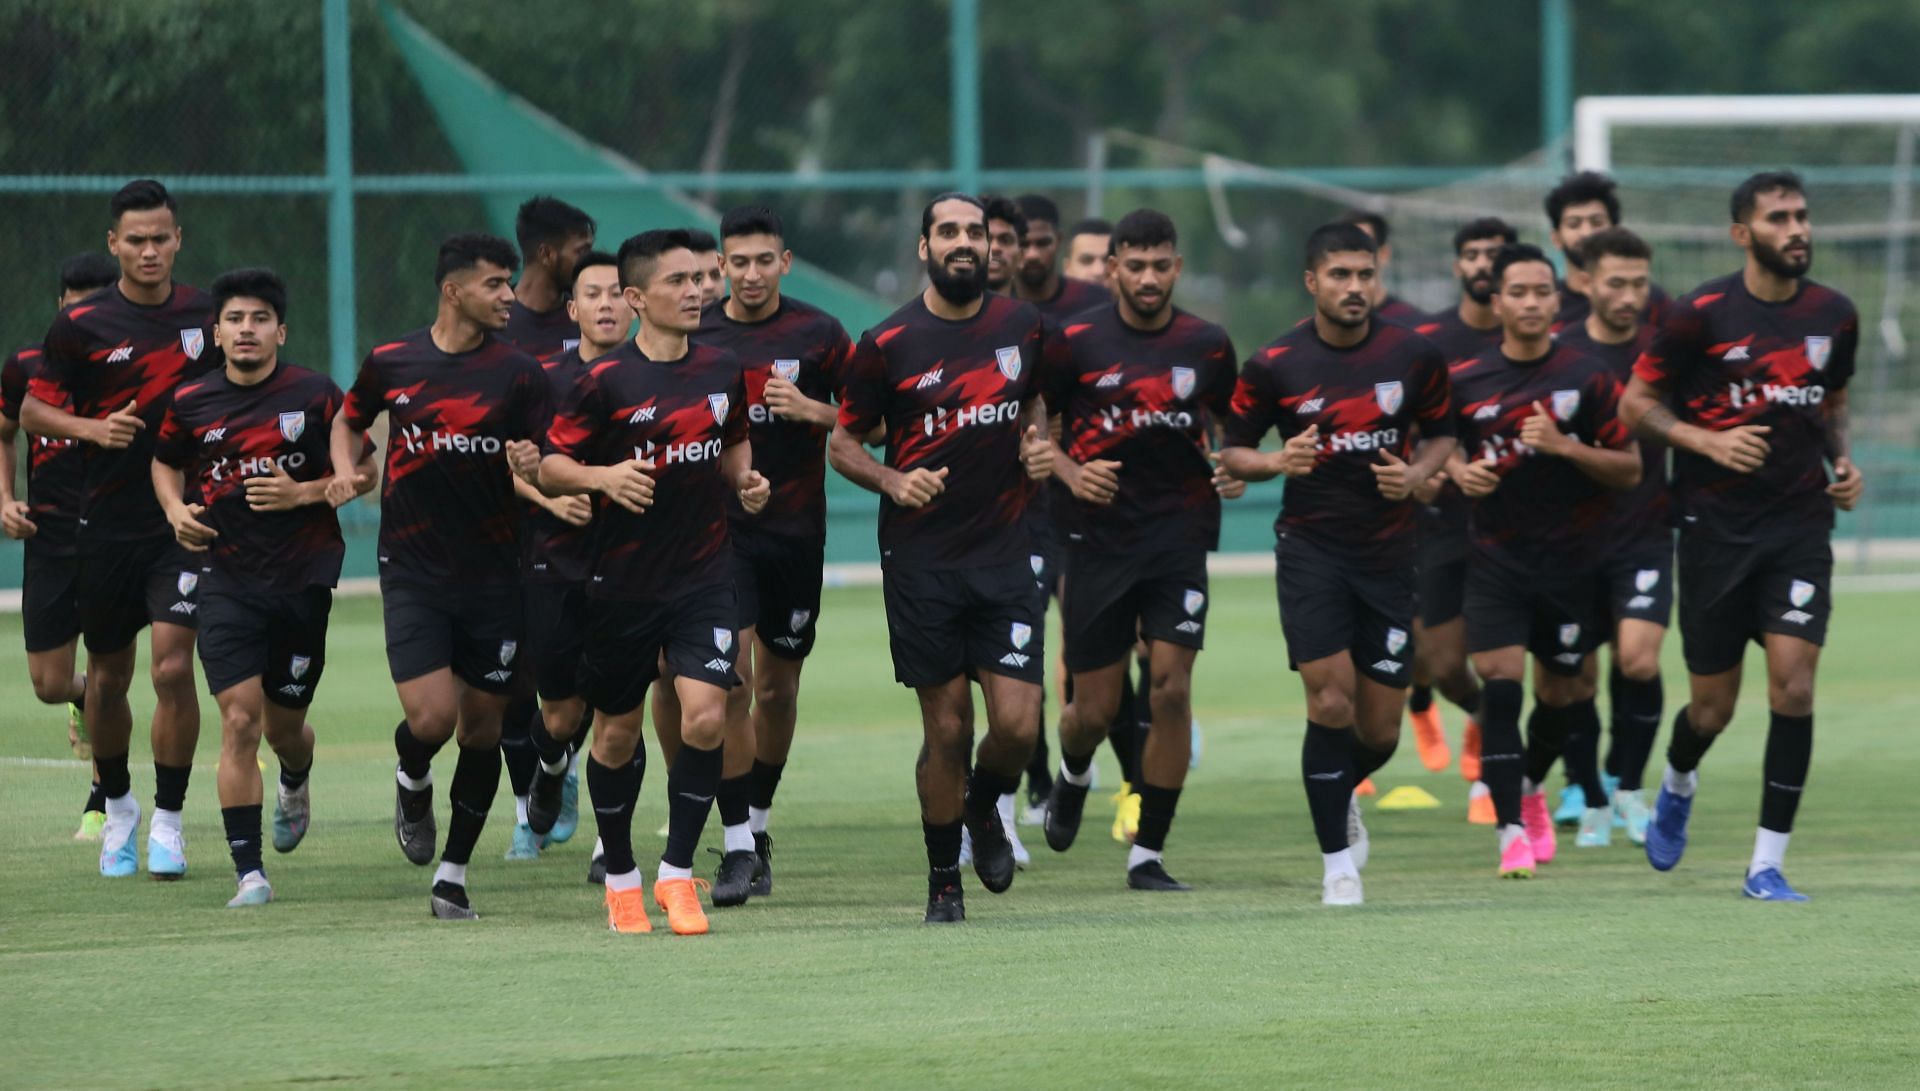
(1680, 784)
(411, 784)
(1078, 780)
(165, 822)
(520, 809)
(1769, 850)
(1338, 863)
(757, 819)
(450, 873)
(1510, 834)
(1137, 856)
(626, 880)
(668, 871)
(738, 838)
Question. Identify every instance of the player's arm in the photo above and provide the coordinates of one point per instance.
(1611, 460)
(749, 484)
(787, 402)
(14, 519)
(1476, 478)
(1646, 407)
(1398, 479)
(1847, 484)
(169, 486)
(1036, 439)
(861, 422)
(114, 432)
(343, 439)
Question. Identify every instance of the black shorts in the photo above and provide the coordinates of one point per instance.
(1442, 591)
(126, 586)
(280, 639)
(1638, 583)
(1557, 617)
(776, 584)
(474, 630)
(625, 641)
(941, 625)
(1328, 606)
(1110, 597)
(1732, 593)
(556, 628)
(49, 599)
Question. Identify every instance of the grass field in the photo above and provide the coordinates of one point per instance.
(1600, 973)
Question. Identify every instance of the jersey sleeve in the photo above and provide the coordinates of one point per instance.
(173, 444)
(1846, 344)
(368, 397)
(734, 431)
(1433, 408)
(863, 395)
(1058, 375)
(575, 419)
(833, 365)
(1601, 402)
(1251, 411)
(1676, 347)
(534, 397)
(13, 385)
(54, 381)
(1218, 396)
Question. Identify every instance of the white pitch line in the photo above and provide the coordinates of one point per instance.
(45, 763)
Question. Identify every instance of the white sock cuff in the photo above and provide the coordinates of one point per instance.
(1078, 780)
(738, 838)
(626, 880)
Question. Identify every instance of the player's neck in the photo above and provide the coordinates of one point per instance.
(1477, 315)
(1602, 334)
(1340, 337)
(942, 307)
(1517, 347)
(1045, 293)
(453, 333)
(147, 295)
(660, 346)
(1766, 285)
(1577, 279)
(589, 351)
(536, 291)
(255, 377)
(740, 312)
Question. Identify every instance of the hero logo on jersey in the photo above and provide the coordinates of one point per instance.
(1569, 635)
(507, 650)
(1819, 350)
(786, 369)
(187, 582)
(1646, 579)
(1020, 634)
(1396, 640)
(1565, 404)
(1183, 382)
(1390, 396)
(718, 403)
(293, 426)
(1009, 360)
(797, 620)
(193, 342)
(298, 666)
(723, 640)
(1800, 593)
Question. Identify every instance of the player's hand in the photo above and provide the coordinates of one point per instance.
(784, 399)
(1845, 489)
(575, 511)
(15, 520)
(755, 490)
(1542, 433)
(1429, 490)
(1099, 480)
(1390, 476)
(1297, 458)
(276, 492)
(523, 458)
(1228, 486)
(122, 428)
(1742, 450)
(1477, 479)
(190, 531)
(342, 490)
(917, 488)
(1036, 452)
(629, 484)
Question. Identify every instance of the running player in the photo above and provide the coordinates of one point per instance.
(1638, 568)
(658, 427)
(1087, 250)
(1006, 241)
(1388, 306)
(253, 441)
(1038, 279)
(1140, 387)
(1540, 446)
(460, 405)
(47, 522)
(112, 361)
(951, 377)
(1582, 204)
(1348, 393)
(1755, 367)
(713, 267)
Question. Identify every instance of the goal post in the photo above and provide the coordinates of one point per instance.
(1595, 117)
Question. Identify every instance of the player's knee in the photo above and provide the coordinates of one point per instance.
(173, 672)
(1172, 699)
(240, 731)
(704, 726)
(1639, 664)
(52, 687)
(1709, 716)
(1330, 706)
(1792, 694)
(776, 690)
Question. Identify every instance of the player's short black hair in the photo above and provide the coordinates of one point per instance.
(1613, 242)
(88, 272)
(639, 254)
(140, 195)
(702, 242)
(751, 220)
(1006, 211)
(1335, 237)
(1039, 208)
(1145, 228)
(926, 214)
(462, 252)
(258, 283)
(1486, 227)
(1369, 219)
(1517, 253)
(1580, 188)
(1747, 193)
(1092, 225)
(592, 259)
(548, 221)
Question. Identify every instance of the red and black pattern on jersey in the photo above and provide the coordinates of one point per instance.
(1455, 339)
(1074, 297)
(1399, 312)
(220, 433)
(102, 353)
(448, 513)
(1728, 359)
(679, 415)
(1644, 512)
(1575, 307)
(1149, 400)
(554, 550)
(807, 347)
(53, 465)
(1443, 523)
(1546, 515)
(950, 395)
(1366, 398)
(543, 335)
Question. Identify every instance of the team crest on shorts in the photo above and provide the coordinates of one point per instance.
(1009, 359)
(1800, 593)
(1389, 396)
(293, 426)
(718, 403)
(786, 369)
(1036, 562)
(193, 342)
(1192, 601)
(1569, 635)
(1396, 640)
(298, 666)
(1565, 404)
(187, 582)
(1020, 634)
(507, 650)
(1645, 579)
(797, 620)
(1183, 382)
(1819, 350)
(723, 640)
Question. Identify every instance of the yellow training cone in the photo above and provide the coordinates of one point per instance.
(1407, 797)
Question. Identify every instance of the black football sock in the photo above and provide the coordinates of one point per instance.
(1784, 771)
(1636, 724)
(1077, 764)
(1326, 766)
(1157, 805)
(516, 743)
(579, 740)
(170, 786)
(114, 780)
(1502, 756)
(1546, 740)
(1468, 702)
(1040, 762)
(943, 853)
(1366, 760)
(292, 779)
(1687, 746)
(546, 749)
(476, 778)
(692, 781)
(1583, 751)
(614, 792)
(243, 838)
(766, 781)
(1421, 699)
(1124, 735)
(96, 799)
(416, 757)
(733, 797)
(1616, 716)
(984, 789)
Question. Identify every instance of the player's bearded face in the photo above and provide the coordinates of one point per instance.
(1343, 287)
(1037, 255)
(1780, 233)
(957, 266)
(1619, 291)
(1577, 223)
(1474, 267)
(1145, 277)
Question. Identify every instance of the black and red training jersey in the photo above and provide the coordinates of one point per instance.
(54, 474)
(107, 351)
(1149, 400)
(807, 347)
(1398, 311)
(1443, 523)
(679, 415)
(448, 513)
(950, 394)
(552, 549)
(1642, 514)
(1547, 516)
(1728, 359)
(1073, 297)
(1366, 398)
(543, 335)
(220, 433)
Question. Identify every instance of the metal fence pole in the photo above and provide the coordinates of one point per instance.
(342, 333)
(964, 47)
(1556, 71)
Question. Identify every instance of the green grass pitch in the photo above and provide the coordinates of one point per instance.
(1599, 973)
